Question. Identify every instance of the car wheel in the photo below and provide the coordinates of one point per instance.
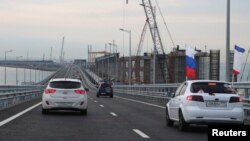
(97, 95)
(169, 122)
(183, 125)
(45, 111)
(84, 112)
(111, 96)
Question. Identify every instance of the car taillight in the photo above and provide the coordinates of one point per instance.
(195, 98)
(49, 91)
(79, 91)
(235, 99)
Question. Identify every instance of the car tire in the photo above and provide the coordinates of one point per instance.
(45, 111)
(183, 125)
(111, 96)
(169, 122)
(97, 95)
(84, 112)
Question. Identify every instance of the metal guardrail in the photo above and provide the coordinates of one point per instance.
(17, 98)
(13, 88)
(162, 93)
(13, 95)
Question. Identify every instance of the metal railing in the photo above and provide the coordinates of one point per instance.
(161, 93)
(13, 88)
(13, 95)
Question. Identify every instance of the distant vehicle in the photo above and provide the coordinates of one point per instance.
(204, 102)
(105, 89)
(65, 94)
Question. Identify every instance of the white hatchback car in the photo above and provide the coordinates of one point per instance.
(204, 102)
(65, 94)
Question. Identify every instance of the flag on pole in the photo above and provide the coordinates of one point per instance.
(190, 63)
(238, 53)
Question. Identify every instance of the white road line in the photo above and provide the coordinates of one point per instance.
(95, 101)
(113, 114)
(102, 106)
(18, 115)
(143, 135)
(141, 102)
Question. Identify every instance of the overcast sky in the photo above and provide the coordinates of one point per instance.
(35, 26)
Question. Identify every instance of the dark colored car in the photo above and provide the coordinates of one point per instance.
(105, 89)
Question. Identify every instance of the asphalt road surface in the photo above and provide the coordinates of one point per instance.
(108, 119)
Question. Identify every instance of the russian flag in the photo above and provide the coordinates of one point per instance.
(238, 53)
(190, 63)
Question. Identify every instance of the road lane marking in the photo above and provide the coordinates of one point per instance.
(18, 114)
(95, 101)
(102, 106)
(113, 114)
(143, 135)
(141, 102)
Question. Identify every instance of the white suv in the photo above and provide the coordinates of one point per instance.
(65, 94)
(204, 102)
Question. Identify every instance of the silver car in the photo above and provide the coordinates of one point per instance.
(65, 94)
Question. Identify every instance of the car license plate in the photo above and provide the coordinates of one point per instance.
(103, 93)
(64, 104)
(216, 104)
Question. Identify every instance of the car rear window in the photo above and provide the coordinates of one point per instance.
(105, 85)
(65, 84)
(212, 87)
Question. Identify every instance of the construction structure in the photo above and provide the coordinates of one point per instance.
(159, 64)
(107, 66)
(80, 62)
(214, 71)
(231, 62)
(157, 67)
(141, 69)
(142, 72)
(92, 55)
(208, 65)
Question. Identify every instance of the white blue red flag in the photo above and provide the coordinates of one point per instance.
(190, 63)
(238, 53)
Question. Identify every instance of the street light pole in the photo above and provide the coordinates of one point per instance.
(228, 41)
(130, 61)
(17, 70)
(110, 44)
(5, 65)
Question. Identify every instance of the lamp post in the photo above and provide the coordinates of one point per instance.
(16, 69)
(110, 44)
(228, 42)
(5, 65)
(130, 62)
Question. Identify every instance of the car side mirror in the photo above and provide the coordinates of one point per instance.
(86, 89)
